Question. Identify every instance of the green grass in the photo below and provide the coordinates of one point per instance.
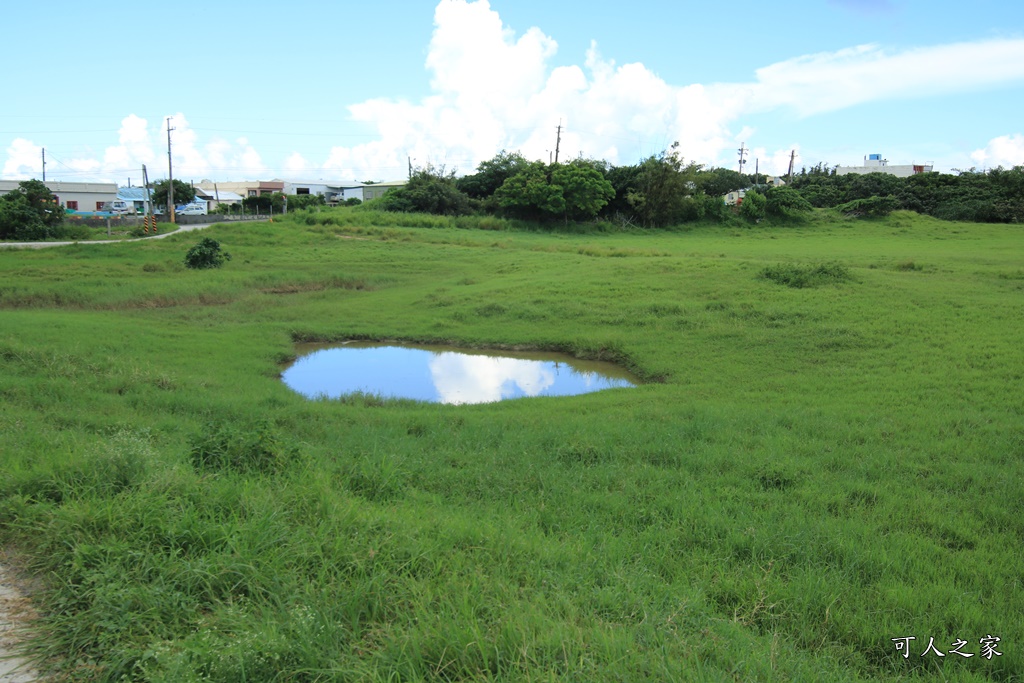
(808, 473)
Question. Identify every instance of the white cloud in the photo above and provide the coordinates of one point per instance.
(24, 160)
(828, 81)
(1006, 151)
(461, 378)
(494, 89)
(135, 146)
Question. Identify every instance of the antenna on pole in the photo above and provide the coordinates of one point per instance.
(743, 153)
(558, 139)
(170, 174)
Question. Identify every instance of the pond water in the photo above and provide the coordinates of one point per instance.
(441, 374)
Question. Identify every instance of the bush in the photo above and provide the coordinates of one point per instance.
(714, 207)
(785, 202)
(806, 276)
(206, 254)
(754, 206)
(875, 207)
(429, 190)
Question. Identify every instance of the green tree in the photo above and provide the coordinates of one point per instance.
(491, 174)
(297, 202)
(753, 207)
(529, 194)
(785, 202)
(183, 193)
(662, 187)
(30, 212)
(430, 190)
(721, 181)
(206, 254)
(573, 191)
(624, 181)
(265, 203)
(584, 188)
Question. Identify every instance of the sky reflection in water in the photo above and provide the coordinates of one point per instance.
(445, 375)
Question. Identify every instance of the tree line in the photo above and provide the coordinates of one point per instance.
(664, 190)
(993, 196)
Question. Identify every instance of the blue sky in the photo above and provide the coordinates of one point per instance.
(341, 90)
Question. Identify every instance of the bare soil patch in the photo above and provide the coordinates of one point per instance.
(16, 613)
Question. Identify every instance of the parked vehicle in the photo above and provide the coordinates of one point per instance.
(118, 207)
(193, 209)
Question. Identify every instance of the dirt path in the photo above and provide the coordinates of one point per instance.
(15, 612)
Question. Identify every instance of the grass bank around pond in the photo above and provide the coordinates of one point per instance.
(827, 455)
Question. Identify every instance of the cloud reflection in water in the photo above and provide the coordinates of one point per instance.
(442, 375)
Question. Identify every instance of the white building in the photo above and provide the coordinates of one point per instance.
(214, 198)
(73, 196)
(874, 163)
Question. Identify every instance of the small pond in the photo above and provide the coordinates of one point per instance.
(441, 374)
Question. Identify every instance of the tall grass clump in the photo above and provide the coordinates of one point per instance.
(256, 449)
(800, 277)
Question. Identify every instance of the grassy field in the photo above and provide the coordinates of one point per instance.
(828, 454)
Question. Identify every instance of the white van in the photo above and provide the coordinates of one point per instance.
(193, 209)
(118, 207)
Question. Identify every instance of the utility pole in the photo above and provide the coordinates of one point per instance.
(44, 164)
(743, 153)
(757, 171)
(558, 139)
(170, 174)
(410, 167)
(145, 184)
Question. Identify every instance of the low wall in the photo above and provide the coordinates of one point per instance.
(128, 222)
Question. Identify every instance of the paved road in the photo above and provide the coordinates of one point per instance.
(181, 228)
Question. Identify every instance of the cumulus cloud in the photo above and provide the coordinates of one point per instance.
(481, 379)
(24, 160)
(493, 88)
(1006, 151)
(140, 143)
(495, 91)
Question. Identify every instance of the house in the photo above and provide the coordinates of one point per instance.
(73, 196)
(337, 192)
(217, 196)
(245, 188)
(874, 163)
(735, 198)
(333, 192)
(138, 198)
(377, 190)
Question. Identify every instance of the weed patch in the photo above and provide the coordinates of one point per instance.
(223, 447)
(801, 277)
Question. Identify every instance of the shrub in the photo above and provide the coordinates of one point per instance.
(806, 276)
(206, 254)
(872, 206)
(754, 206)
(785, 202)
(429, 190)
